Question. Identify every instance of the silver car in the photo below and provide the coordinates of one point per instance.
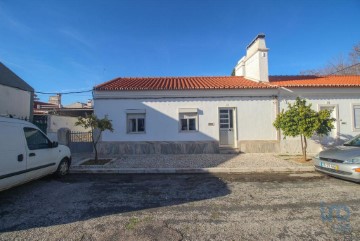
(342, 161)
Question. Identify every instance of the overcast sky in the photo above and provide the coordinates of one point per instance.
(72, 45)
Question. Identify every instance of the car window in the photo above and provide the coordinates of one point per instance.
(353, 142)
(35, 139)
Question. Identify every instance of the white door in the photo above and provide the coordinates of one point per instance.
(226, 127)
(12, 155)
(41, 156)
(332, 137)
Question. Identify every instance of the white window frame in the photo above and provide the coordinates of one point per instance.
(135, 114)
(187, 114)
(353, 107)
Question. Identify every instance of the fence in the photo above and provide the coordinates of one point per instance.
(80, 142)
(80, 136)
(41, 122)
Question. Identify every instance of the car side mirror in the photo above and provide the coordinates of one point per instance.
(55, 144)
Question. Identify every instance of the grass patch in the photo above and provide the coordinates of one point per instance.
(98, 162)
(132, 223)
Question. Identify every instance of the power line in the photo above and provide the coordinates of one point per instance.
(62, 93)
(344, 68)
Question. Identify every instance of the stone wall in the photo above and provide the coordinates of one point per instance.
(288, 147)
(259, 146)
(158, 147)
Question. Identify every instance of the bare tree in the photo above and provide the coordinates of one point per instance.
(340, 65)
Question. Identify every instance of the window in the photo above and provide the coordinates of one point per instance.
(135, 123)
(35, 139)
(356, 114)
(226, 118)
(188, 119)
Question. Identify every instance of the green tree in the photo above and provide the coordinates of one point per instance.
(94, 123)
(301, 120)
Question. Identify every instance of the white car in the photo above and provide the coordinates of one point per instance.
(342, 161)
(26, 153)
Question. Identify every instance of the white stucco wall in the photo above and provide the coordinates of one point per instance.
(56, 122)
(341, 98)
(254, 115)
(255, 67)
(254, 118)
(14, 102)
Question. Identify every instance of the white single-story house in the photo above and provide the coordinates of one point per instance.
(16, 96)
(207, 114)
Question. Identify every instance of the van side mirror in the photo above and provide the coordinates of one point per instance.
(55, 144)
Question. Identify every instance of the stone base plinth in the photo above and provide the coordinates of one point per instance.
(158, 147)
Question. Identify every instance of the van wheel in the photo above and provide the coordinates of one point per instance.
(63, 168)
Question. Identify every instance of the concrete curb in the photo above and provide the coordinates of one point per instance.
(97, 169)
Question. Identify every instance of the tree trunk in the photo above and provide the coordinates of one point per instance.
(94, 145)
(302, 144)
(96, 153)
(305, 147)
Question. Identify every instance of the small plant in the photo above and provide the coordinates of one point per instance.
(94, 123)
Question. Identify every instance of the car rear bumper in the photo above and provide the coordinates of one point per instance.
(344, 171)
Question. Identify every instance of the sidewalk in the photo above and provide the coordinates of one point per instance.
(195, 163)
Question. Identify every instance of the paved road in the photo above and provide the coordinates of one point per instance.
(182, 207)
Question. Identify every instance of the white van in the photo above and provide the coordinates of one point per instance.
(26, 153)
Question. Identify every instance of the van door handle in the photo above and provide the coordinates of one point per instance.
(32, 154)
(20, 158)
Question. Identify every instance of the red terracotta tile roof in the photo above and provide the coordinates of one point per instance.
(316, 81)
(226, 82)
(181, 83)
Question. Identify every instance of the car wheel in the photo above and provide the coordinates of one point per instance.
(63, 168)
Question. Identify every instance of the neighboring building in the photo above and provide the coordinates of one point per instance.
(50, 117)
(16, 96)
(205, 114)
(88, 104)
(55, 107)
(55, 100)
(42, 108)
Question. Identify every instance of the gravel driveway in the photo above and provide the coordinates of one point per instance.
(203, 161)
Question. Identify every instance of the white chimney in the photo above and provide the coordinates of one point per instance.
(254, 66)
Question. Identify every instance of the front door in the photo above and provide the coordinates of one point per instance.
(331, 138)
(226, 126)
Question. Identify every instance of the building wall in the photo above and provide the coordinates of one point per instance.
(15, 102)
(342, 99)
(254, 118)
(56, 122)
